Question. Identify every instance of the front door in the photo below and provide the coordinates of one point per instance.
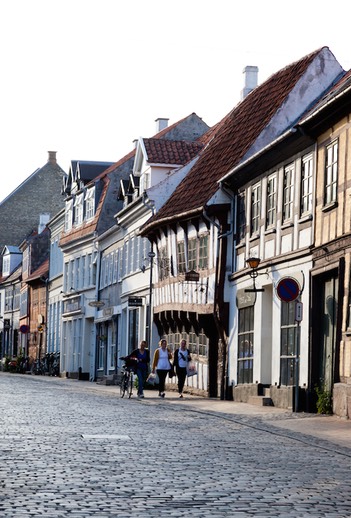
(324, 332)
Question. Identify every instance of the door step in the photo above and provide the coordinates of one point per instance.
(260, 401)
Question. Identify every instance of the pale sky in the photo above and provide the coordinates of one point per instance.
(87, 77)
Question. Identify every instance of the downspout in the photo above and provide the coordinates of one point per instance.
(216, 312)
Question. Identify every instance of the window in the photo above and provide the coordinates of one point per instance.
(68, 214)
(78, 209)
(241, 217)
(255, 208)
(203, 251)
(246, 345)
(6, 265)
(163, 263)
(306, 184)
(288, 338)
(331, 173)
(288, 193)
(181, 257)
(192, 263)
(90, 203)
(271, 201)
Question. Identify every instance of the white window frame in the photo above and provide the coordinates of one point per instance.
(288, 192)
(90, 203)
(331, 173)
(306, 184)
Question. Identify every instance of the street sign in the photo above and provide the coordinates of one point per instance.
(288, 289)
(298, 311)
(135, 301)
(24, 328)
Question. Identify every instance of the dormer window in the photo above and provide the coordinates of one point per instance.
(90, 203)
(78, 210)
(6, 265)
(68, 215)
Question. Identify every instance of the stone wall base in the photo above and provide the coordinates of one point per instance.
(342, 400)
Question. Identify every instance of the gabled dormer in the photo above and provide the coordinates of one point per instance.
(157, 158)
(11, 258)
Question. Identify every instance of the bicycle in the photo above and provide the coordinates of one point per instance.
(127, 380)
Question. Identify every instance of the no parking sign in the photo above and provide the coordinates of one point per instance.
(288, 289)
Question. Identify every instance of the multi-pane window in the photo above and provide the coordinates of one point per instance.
(331, 173)
(271, 201)
(241, 217)
(288, 338)
(163, 263)
(192, 263)
(90, 203)
(288, 193)
(68, 214)
(255, 208)
(203, 344)
(181, 257)
(78, 209)
(306, 184)
(203, 251)
(246, 345)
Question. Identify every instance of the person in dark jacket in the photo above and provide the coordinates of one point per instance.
(181, 359)
(142, 355)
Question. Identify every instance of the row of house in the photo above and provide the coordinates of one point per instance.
(235, 237)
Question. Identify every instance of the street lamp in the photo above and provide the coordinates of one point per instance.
(151, 255)
(253, 263)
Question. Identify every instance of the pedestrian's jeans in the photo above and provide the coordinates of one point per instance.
(181, 373)
(142, 375)
(162, 379)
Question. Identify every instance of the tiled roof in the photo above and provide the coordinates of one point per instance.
(230, 140)
(170, 151)
(41, 271)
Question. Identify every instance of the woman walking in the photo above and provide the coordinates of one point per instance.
(161, 364)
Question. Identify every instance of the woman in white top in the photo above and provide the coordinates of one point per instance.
(161, 364)
(181, 359)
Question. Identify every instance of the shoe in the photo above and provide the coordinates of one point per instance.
(163, 394)
(159, 394)
(180, 395)
(141, 396)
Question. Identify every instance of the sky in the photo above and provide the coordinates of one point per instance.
(85, 78)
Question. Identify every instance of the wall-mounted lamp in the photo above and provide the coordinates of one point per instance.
(253, 263)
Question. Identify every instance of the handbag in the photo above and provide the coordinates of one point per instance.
(171, 372)
(191, 369)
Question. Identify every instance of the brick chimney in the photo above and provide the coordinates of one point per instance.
(52, 157)
(250, 80)
(161, 124)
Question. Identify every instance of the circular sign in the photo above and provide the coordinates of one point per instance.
(288, 289)
(24, 329)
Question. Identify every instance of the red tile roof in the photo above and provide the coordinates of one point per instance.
(230, 140)
(170, 151)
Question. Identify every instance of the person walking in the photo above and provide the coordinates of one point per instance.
(161, 364)
(142, 354)
(181, 359)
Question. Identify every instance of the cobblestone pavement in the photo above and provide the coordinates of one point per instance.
(69, 449)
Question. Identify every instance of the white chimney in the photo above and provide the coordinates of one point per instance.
(43, 220)
(250, 80)
(161, 124)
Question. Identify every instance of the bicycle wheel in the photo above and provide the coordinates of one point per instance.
(123, 385)
(130, 387)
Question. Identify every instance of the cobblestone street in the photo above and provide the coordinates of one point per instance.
(69, 449)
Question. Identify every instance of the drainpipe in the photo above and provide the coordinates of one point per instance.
(151, 255)
(220, 330)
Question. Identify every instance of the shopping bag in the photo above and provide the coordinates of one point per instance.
(152, 379)
(191, 369)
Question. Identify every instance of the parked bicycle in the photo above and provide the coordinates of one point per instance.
(127, 380)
